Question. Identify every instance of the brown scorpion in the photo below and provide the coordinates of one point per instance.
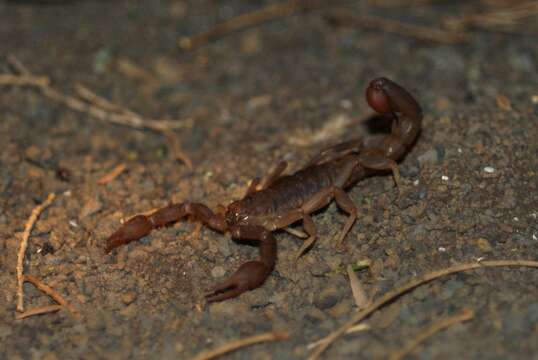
(281, 200)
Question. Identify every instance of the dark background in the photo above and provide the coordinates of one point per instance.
(283, 89)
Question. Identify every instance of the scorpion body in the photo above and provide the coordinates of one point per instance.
(281, 200)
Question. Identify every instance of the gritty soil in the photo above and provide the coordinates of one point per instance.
(282, 90)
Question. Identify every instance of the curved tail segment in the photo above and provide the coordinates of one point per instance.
(387, 97)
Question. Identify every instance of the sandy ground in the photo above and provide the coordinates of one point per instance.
(281, 90)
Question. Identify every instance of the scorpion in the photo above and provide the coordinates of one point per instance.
(278, 200)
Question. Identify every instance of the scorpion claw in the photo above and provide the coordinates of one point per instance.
(249, 276)
(137, 227)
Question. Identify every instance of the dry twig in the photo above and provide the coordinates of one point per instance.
(24, 244)
(499, 17)
(351, 330)
(112, 174)
(91, 97)
(253, 18)
(53, 294)
(395, 293)
(38, 311)
(95, 106)
(175, 146)
(399, 28)
(442, 324)
(23, 80)
(236, 344)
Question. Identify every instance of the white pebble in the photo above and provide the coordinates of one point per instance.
(346, 104)
(489, 169)
(218, 271)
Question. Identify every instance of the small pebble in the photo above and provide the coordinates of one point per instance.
(341, 309)
(129, 311)
(346, 104)
(484, 245)
(327, 298)
(218, 271)
(92, 206)
(128, 297)
(430, 157)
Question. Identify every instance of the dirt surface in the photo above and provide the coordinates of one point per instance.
(282, 90)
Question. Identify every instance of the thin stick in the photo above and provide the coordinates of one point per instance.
(38, 311)
(101, 102)
(23, 80)
(395, 293)
(127, 118)
(250, 19)
(503, 16)
(18, 65)
(110, 176)
(174, 145)
(236, 344)
(98, 108)
(399, 28)
(53, 294)
(353, 329)
(24, 244)
(171, 139)
(442, 324)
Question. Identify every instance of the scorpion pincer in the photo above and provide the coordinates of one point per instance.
(281, 200)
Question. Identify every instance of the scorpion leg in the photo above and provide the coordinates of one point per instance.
(141, 225)
(252, 188)
(310, 229)
(343, 201)
(319, 200)
(379, 162)
(257, 184)
(273, 175)
(336, 151)
(251, 274)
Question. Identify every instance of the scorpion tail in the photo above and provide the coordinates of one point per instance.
(387, 97)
